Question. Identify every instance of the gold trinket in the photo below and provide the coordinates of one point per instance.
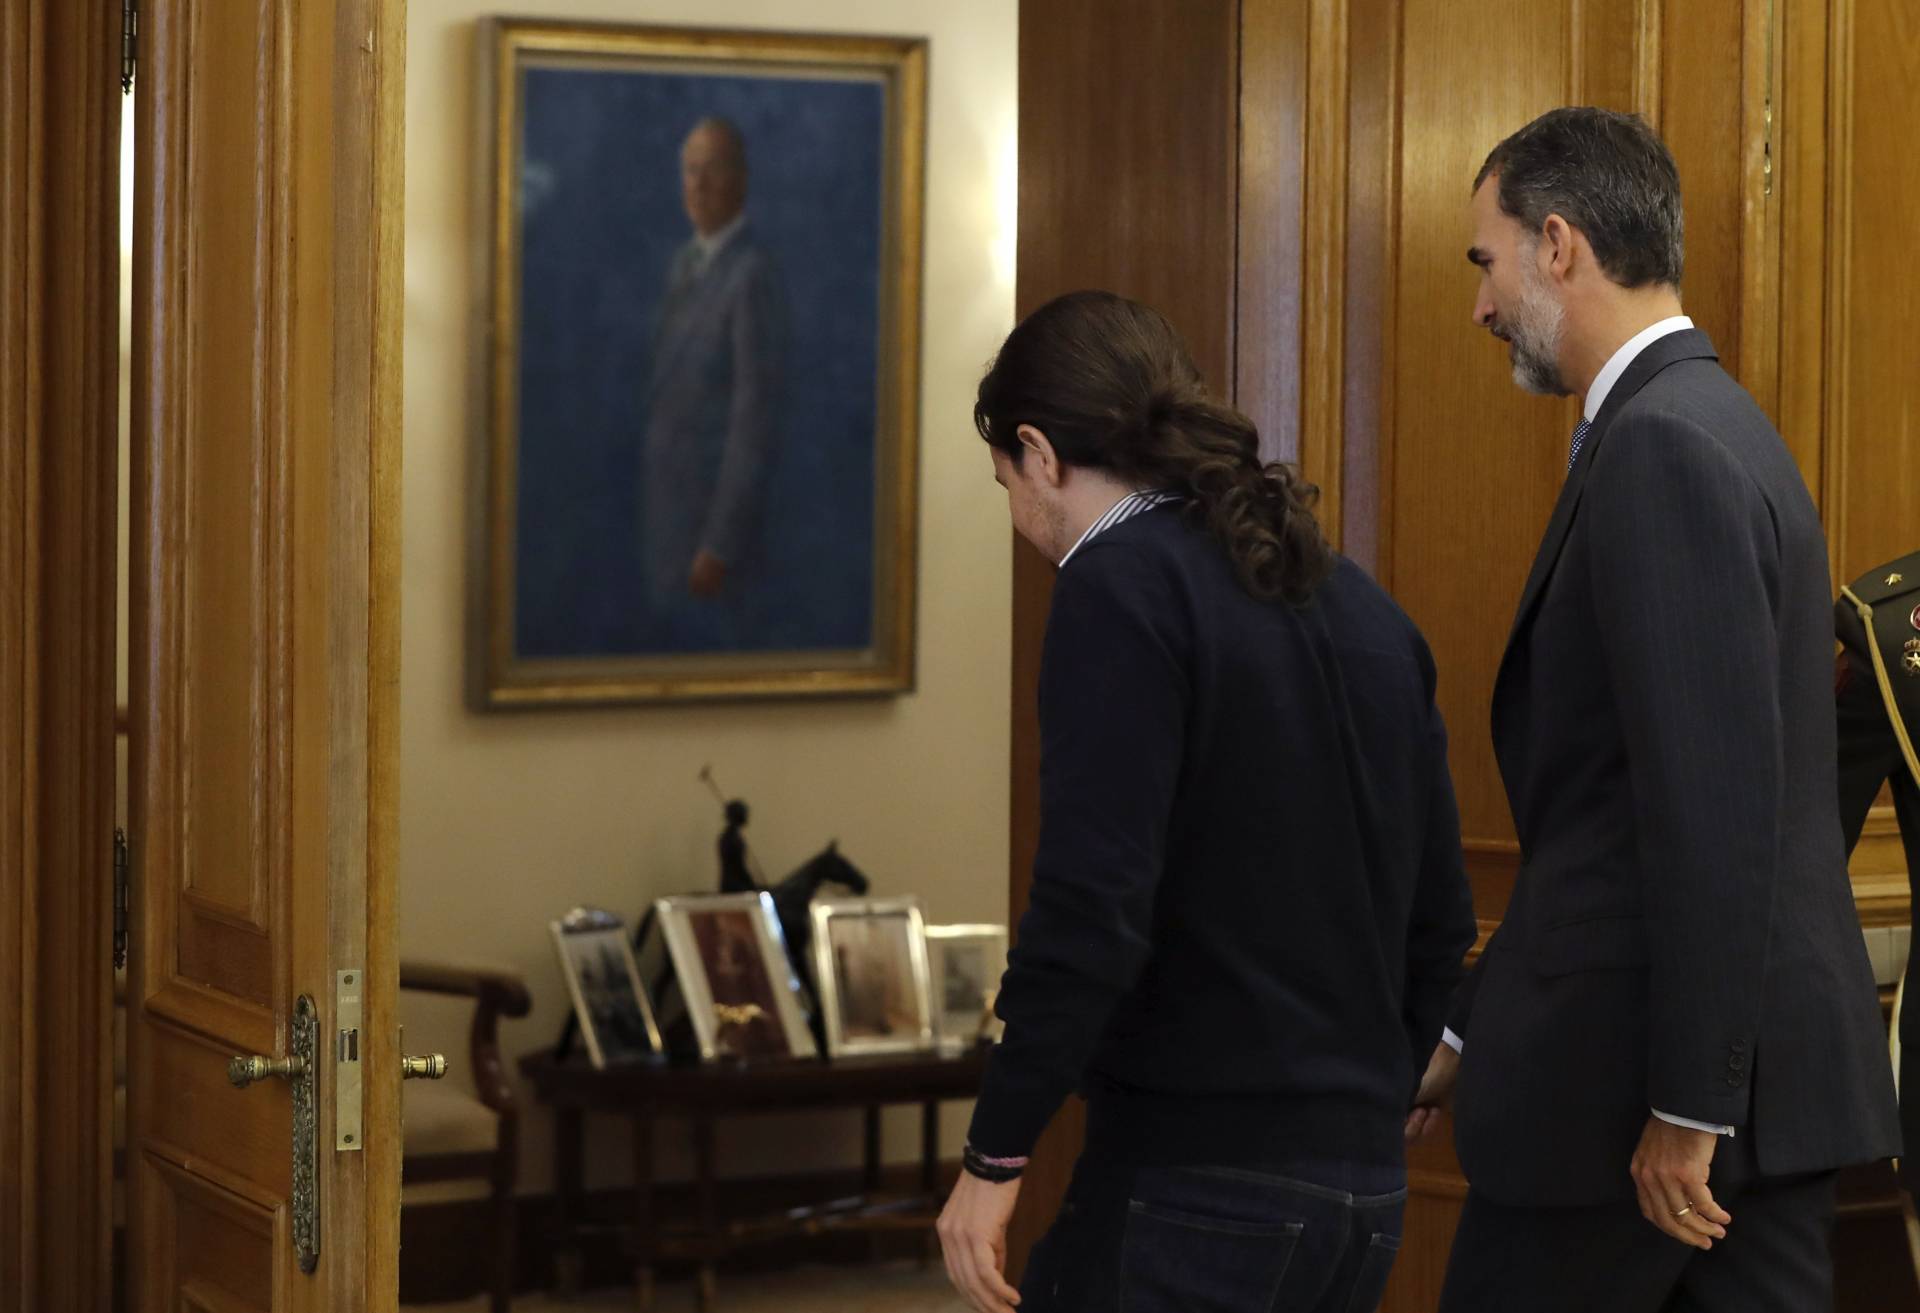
(1912, 659)
(1894, 578)
(736, 1014)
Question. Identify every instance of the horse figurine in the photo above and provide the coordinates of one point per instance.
(793, 902)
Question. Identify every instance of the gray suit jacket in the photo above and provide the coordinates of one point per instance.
(1682, 934)
(713, 412)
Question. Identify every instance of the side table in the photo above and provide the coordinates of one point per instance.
(702, 1095)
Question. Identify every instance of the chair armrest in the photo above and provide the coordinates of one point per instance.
(496, 993)
(505, 990)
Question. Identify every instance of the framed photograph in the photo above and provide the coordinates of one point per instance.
(616, 1021)
(870, 960)
(702, 364)
(965, 963)
(735, 980)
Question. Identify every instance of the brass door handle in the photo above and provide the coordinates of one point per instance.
(298, 1069)
(244, 1069)
(431, 1066)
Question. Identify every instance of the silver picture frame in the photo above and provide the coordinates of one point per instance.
(615, 1017)
(870, 967)
(964, 962)
(740, 990)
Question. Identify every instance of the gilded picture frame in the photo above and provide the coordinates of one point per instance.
(698, 461)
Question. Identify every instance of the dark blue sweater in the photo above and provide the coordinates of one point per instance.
(1248, 910)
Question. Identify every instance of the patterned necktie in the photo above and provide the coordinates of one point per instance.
(1579, 440)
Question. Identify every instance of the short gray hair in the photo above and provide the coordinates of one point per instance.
(1607, 174)
(729, 132)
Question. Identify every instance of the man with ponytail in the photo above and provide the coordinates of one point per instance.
(1248, 909)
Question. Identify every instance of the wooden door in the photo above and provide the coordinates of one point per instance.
(59, 120)
(263, 626)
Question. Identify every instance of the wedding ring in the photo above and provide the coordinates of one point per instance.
(1684, 1211)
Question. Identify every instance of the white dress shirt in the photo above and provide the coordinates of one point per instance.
(711, 244)
(1597, 397)
(1617, 363)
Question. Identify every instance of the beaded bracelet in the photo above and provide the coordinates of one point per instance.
(996, 1170)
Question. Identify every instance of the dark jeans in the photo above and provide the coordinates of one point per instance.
(1306, 1238)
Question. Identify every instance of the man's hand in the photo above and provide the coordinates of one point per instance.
(1435, 1093)
(973, 1236)
(707, 576)
(1670, 1170)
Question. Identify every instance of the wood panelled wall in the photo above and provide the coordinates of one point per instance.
(1288, 180)
(1128, 181)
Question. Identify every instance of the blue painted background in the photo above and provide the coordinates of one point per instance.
(602, 220)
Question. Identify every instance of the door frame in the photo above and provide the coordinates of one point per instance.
(59, 375)
(370, 236)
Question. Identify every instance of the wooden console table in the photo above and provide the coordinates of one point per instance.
(701, 1095)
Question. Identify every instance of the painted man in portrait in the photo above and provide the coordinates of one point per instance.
(714, 400)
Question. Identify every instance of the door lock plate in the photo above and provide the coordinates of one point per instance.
(348, 1134)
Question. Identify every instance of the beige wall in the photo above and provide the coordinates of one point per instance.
(508, 820)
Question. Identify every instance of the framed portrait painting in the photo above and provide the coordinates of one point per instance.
(702, 366)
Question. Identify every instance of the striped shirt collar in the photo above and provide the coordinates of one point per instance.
(1121, 511)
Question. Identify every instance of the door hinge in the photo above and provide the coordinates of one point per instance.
(1766, 146)
(129, 43)
(120, 897)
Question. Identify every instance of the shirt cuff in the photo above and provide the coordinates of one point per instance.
(1691, 1124)
(1459, 1045)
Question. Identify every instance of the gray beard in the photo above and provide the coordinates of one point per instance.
(1534, 341)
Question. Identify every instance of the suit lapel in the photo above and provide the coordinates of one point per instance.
(686, 291)
(668, 334)
(1688, 344)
